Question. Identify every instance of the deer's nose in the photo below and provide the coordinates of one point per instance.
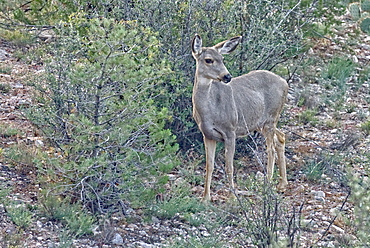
(227, 78)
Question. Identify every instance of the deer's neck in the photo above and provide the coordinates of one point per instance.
(208, 92)
(201, 84)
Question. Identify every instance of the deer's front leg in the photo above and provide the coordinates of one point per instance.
(210, 147)
(229, 159)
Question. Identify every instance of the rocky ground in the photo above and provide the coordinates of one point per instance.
(324, 205)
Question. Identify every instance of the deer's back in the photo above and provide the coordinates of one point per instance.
(259, 98)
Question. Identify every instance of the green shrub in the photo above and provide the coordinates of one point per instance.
(77, 221)
(7, 131)
(325, 164)
(273, 33)
(360, 187)
(335, 76)
(5, 69)
(308, 116)
(20, 215)
(5, 88)
(41, 12)
(366, 127)
(339, 69)
(99, 110)
(265, 218)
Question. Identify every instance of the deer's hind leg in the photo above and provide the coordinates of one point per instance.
(269, 133)
(280, 150)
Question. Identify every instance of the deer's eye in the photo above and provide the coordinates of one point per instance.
(209, 61)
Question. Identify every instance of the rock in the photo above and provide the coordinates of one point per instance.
(155, 220)
(39, 143)
(117, 239)
(337, 228)
(298, 190)
(330, 244)
(132, 226)
(318, 194)
(307, 223)
(143, 245)
(18, 86)
(39, 224)
(3, 54)
(11, 117)
(24, 103)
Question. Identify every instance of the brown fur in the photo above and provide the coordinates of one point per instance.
(225, 111)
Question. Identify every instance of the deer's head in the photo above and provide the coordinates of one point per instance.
(210, 60)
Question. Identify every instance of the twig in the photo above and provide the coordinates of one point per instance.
(332, 221)
(306, 139)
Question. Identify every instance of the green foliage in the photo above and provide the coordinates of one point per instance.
(365, 5)
(77, 221)
(308, 116)
(7, 131)
(5, 88)
(20, 215)
(265, 218)
(178, 204)
(365, 25)
(354, 10)
(360, 13)
(40, 12)
(100, 112)
(326, 164)
(335, 76)
(339, 69)
(360, 196)
(4, 69)
(20, 155)
(366, 127)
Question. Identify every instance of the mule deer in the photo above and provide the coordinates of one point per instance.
(226, 108)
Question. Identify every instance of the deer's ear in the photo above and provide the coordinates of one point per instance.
(228, 46)
(196, 45)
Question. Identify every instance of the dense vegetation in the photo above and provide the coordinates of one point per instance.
(114, 101)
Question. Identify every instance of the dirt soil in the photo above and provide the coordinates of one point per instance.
(326, 205)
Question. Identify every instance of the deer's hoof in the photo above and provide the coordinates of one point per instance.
(281, 187)
(206, 198)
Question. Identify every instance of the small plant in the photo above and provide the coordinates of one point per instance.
(7, 131)
(325, 164)
(75, 219)
(20, 215)
(338, 70)
(5, 88)
(308, 116)
(21, 156)
(5, 69)
(265, 218)
(314, 170)
(360, 13)
(180, 202)
(17, 37)
(360, 196)
(366, 127)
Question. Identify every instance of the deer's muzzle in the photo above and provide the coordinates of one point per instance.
(227, 78)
